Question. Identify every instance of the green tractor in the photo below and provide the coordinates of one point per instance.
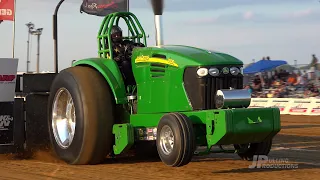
(181, 98)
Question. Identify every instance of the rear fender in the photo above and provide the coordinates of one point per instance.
(111, 72)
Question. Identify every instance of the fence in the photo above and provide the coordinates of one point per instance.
(292, 106)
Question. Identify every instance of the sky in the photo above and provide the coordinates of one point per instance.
(247, 29)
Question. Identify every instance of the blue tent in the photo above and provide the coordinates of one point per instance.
(263, 65)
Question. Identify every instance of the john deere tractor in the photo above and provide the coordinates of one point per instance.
(179, 98)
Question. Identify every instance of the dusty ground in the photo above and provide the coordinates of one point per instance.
(298, 141)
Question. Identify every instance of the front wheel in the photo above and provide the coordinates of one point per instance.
(81, 116)
(175, 139)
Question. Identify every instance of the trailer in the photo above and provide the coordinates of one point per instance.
(167, 99)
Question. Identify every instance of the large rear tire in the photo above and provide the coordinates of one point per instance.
(81, 116)
(175, 139)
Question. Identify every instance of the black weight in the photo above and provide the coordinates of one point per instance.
(37, 136)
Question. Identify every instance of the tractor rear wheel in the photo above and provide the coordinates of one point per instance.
(175, 139)
(81, 116)
(247, 151)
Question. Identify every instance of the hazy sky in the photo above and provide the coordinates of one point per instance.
(247, 29)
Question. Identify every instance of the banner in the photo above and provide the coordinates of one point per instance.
(282, 103)
(300, 106)
(315, 108)
(259, 102)
(6, 123)
(292, 106)
(103, 7)
(7, 10)
(8, 76)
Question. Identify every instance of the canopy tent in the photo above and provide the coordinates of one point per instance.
(263, 65)
(307, 67)
(286, 67)
(247, 65)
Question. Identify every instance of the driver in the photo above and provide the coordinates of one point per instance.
(117, 43)
(122, 52)
(122, 49)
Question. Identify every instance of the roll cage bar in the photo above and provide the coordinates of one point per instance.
(104, 34)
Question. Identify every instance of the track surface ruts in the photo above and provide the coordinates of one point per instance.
(298, 141)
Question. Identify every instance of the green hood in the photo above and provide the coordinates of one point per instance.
(197, 56)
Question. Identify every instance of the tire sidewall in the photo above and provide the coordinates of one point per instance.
(176, 128)
(66, 80)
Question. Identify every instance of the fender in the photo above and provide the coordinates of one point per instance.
(111, 72)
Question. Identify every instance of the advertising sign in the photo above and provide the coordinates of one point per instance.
(300, 106)
(259, 102)
(315, 108)
(8, 76)
(6, 10)
(282, 103)
(103, 7)
(6, 123)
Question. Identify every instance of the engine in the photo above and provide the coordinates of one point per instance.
(213, 87)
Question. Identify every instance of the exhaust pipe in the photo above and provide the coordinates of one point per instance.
(157, 6)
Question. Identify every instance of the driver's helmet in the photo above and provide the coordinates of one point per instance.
(116, 33)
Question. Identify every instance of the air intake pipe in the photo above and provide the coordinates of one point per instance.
(157, 6)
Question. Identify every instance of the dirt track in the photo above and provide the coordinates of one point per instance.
(298, 141)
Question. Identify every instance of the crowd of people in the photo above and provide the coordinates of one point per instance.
(282, 84)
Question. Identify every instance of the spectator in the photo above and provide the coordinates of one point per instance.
(267, 81)
(257, 83)
(283, 75)
(314, 61)
(314, 66)
(311, 91)
(301, 81)
(283, 92)
(276, 82)
(248, 87)
(292, 79)
(305, 74)
(282, 84)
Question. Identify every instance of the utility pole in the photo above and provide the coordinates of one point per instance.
(30, 26)
(38, 33)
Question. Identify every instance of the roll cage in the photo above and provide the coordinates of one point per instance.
(136, 32)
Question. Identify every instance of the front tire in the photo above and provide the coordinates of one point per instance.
(175, 139)
(81, 116)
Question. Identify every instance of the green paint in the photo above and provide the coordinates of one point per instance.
(165, 92)
(137, 33)
(232, 127)
(124, 137)
(110, 71)
(225, 126)
(250, 121)
(160, 90)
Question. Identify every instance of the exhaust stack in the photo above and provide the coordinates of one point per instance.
(157, 6)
